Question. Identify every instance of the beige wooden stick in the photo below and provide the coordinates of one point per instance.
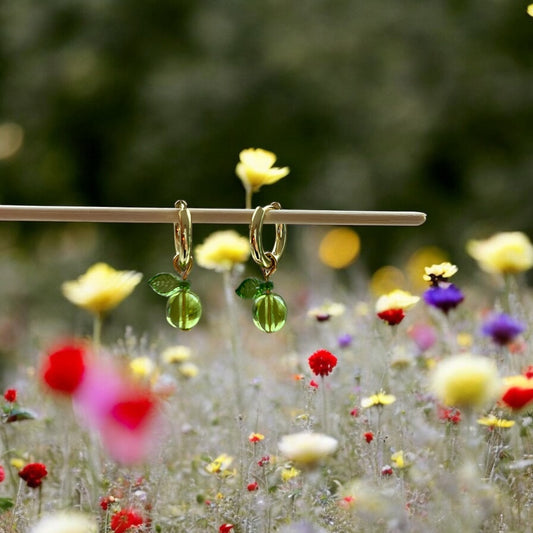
(208, 216)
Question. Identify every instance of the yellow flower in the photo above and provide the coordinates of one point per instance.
(220, 464)
(396, 299)
(494, 422)
(65, 522)
(142, 367)
(176, 354)
(398, 459)
(530, 10)
(443, 271)
(255, 168)
(17, 463)
(188, 370)
(378, 399)
(101, 288)
(327, 310)
(503, 253)
(222, 250)
(307, 447)
(289, 473)
(466, 381)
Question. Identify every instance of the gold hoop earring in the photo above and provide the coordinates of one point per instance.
(269, 309)
(184, 308)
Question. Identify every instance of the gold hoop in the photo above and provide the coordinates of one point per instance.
(182, 240)
(268, 261)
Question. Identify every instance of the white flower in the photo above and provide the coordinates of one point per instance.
(307, 447)
(65, 522)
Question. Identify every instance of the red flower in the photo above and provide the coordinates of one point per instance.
(322, 362)
(313, 384)
(369, 436)
(392, 316)
(105, 502)
(64, 368)
(33, 474)
(264, 460)
(225, 528)
(518, 392)
(354, 412)
(10, 395)
(528, 372)
(386, 470)
(122, 520)
(132, 412)
(2, 474)
(451, 415)
(252, 486)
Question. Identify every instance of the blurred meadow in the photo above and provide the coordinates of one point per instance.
(382, 105)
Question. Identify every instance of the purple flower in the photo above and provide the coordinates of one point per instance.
(344, 340)
(502, 328)
(444, 296)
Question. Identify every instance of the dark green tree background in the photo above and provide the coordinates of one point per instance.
(382, 104)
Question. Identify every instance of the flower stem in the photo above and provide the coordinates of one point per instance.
(248, 198)
(97, 331)
(324, 404)
(235, 357)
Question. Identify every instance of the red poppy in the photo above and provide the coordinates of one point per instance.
(252, 486)
(64, 368)
(451, 415)
(122, 520)
(10, 395)
(322, 362)
(132, 412)
(33, 474)
(518, 392)
(369, 436)
(225, 528)
(392, 316)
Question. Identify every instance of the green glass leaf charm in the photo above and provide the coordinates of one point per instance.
(165, 284)
(183, 309)
(269, 312)
(248, 288)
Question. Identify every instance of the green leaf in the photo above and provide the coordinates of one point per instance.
(165, 284)
(18, 414)
(248, 288)
(5, 504)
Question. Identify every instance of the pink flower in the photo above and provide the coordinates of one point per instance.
(2, 474)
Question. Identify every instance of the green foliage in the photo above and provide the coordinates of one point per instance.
(374, 105)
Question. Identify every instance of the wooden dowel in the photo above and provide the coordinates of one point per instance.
(208, 216)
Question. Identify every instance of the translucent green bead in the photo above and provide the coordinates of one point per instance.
(269, 312)
(184, 309)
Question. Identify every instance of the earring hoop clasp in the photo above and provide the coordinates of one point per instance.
(268, 261)
(183, 240)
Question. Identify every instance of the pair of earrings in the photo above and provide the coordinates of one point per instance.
(184, 309)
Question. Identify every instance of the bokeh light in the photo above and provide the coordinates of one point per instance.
(339, 248)
(11, 139)
(387, 279)
(423, 257)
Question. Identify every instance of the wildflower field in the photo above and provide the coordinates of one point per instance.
(372, 407)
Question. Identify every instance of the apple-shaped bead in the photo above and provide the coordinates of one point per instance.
(184, 309)
(269, 312)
